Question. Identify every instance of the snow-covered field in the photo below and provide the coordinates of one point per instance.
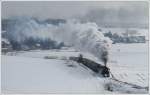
(129, 62)
(30, 72)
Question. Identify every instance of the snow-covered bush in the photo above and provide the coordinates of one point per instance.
(50, 57)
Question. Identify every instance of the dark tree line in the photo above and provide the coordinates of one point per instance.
(125, 38)
(31, 44)
(9, 25)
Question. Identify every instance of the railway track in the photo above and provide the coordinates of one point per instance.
(97, 68)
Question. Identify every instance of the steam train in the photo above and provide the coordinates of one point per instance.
(95, 67)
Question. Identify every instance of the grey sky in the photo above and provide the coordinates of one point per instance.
(134, 12)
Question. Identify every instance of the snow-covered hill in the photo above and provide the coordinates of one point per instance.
(30, 72)
(22, 74)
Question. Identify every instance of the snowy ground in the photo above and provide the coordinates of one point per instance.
(30, 72)
(129, 62)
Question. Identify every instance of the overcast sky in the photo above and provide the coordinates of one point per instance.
(134, 12)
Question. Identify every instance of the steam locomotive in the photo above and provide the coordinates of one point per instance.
(95, 67)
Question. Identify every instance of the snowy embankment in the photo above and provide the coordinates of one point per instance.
(34, 74)
(129, 62)
(30, 72)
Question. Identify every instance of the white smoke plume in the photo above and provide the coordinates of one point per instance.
(84, 37)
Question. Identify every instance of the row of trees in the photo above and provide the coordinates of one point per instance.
(9, 26)
(31, 43)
